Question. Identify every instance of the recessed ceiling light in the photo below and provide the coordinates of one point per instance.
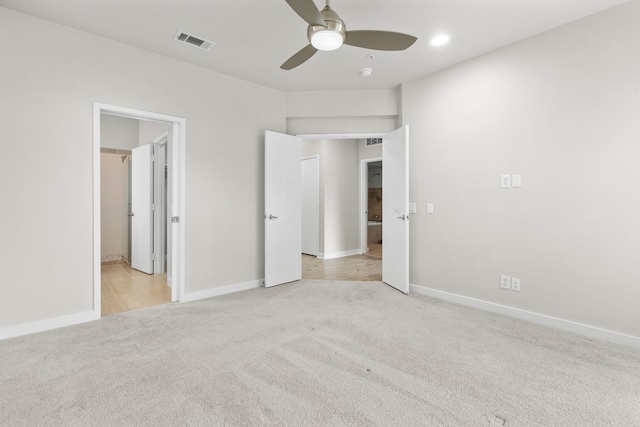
(440, 40)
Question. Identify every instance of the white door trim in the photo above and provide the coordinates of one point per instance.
(361, 135)
(364, 205)
(177, 189)
(161, 208)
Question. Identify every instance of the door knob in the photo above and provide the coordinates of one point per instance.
(402, 217)
(272, 217)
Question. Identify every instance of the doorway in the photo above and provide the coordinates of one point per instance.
(394, 152)
(372, 196)
(133, 257)
(168, 224)
(360, 259)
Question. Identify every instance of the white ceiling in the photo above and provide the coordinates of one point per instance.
(254, 37)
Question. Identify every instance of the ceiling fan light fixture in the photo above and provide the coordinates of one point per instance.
(326, 40)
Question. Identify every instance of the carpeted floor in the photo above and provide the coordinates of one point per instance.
(316, 353)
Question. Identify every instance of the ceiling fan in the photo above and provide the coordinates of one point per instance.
(327, 32)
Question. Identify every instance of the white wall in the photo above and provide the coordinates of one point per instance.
(310, 148)
(563, 110)
(49, 79)
(341, 196)
(113, 206)
(150, 131)
(342, 111)
(119, 132)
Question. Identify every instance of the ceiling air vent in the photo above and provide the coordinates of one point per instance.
(194, 41)
(373, 141)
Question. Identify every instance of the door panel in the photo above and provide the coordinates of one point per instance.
(310, 201)
(395, 209)
(282, 223)
(142, 209)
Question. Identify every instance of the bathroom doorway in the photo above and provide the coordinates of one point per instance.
(372, 230)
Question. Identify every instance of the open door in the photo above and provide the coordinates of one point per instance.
(282, 202)
(395, 209)
(142, 209)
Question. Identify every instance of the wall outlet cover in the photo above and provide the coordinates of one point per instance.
(505, 282)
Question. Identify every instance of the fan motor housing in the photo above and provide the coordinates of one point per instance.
(334, 23)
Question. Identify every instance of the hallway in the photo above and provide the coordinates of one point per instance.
(124, 288)
(352, 268)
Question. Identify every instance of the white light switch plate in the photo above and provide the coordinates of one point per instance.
(516, 180)
(412, 208)
(430, 208)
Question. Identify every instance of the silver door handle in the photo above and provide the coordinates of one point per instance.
(402, 217)
(272, 216)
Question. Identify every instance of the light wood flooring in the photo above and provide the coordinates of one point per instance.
(124, 288)
(352, 268)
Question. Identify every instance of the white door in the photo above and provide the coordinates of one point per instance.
(282, 201)
(142, 209)
(310, 200)
(395, 209)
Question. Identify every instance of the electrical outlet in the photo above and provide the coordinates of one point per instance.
(505, 282)
(505, 181)
(515, 284)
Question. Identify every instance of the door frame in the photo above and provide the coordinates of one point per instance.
(160, 212)
(364, 201)
(176, 203)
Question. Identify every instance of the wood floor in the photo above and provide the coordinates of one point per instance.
(352, 268)
(124, 288)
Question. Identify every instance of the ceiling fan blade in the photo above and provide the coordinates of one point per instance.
(307, 11)
(379, 40)
(301, 56)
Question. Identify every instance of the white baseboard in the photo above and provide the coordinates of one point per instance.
(542, 319)
(74, 319)
(332, 255)
(47, 325)
(223, 290)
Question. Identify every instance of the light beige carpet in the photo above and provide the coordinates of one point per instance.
(316, 353)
